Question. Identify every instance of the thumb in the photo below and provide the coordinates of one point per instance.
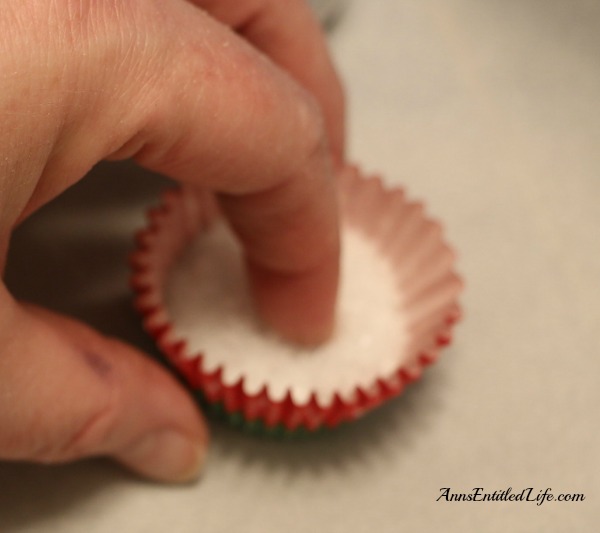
(68, 392)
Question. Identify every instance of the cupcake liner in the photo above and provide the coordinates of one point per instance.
(395, 263)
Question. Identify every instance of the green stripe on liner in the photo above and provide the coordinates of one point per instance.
(254, 427)
(217, 411)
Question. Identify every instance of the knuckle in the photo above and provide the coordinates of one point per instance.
(45, 437)
(311, 123)
(83, 435)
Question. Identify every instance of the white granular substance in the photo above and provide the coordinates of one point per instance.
(208, 302)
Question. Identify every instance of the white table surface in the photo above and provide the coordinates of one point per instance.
(488, 111)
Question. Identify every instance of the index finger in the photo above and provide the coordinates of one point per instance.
(227, 119)
(163, 82)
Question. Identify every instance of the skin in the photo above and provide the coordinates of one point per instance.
(237, 96)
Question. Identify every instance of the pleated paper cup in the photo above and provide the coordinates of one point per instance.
(397, 305)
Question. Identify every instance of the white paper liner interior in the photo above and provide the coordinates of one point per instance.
(208, 301)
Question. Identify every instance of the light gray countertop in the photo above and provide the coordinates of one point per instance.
(490, 113)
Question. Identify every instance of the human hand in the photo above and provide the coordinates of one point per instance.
(167, 83)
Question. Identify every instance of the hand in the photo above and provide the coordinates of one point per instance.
(238, 96)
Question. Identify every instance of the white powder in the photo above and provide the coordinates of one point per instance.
(208, 301)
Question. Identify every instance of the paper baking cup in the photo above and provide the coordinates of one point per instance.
(397, 305)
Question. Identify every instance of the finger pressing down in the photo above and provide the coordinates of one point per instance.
(186, 96)
(244, 128)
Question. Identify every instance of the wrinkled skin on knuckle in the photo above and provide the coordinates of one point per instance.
(311, 123)
(34, 430)
(78, 438)
(71, 69)
(82, 441)
(83, 56)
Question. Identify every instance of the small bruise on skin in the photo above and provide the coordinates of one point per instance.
(98, 364)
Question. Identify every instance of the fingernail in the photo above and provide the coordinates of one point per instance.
(166, 455)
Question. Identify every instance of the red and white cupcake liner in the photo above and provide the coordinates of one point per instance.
(424, 276)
